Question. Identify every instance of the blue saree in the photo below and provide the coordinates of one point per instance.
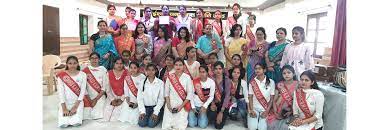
(275, 56)
(104, 45)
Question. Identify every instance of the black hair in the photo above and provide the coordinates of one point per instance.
(155, 75)
(136, 29)
(312, 77)
(111, 5)
(170, 56)
(254, 17)
(165, 33)
(126, 51)
(144, 56)
(290, 68)
(115, 60)
(187, 35)
(282, 29)
(241, 76)
(202, 12)
(187, 50)
(74, 58)
(263, 66)
(183, 6)
(213, 54)
(147, 8)
(218, 63)
(240, 12)
(234, 27)
(241, 62)
(204, 67)
(128, 8)
(102, 21)
(121, 26)
(221, 23)
(154, 67)
(301, 31)
(163, 6)
(262, 30)
(179, 60)
(94, 53)
(134, 63)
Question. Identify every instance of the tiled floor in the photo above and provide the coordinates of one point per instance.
(50, 109)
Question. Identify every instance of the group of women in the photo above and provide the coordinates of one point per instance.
(143, 72)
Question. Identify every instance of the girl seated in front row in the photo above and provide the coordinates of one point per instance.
(97, 82)
(262, 88)
(71, 92)
(204, 89)
(178, 93)
(151, 98)
(283, 100)
(308, 103)
(239, 95)
(132, 82)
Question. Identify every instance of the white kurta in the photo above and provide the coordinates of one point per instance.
(67, 96)
(177, 120)
(208, 84)
(259, 122)
(300, 57)
(184, 21)
(315, 102)
(112, 113)
(100, 73)
(153, 95)
(129, 114)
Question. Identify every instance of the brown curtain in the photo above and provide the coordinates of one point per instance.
(338, 57)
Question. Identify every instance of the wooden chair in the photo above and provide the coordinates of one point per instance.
(50, 64)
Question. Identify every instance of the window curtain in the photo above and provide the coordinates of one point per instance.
(338, 57)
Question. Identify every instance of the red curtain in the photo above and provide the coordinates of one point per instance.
(338, 56)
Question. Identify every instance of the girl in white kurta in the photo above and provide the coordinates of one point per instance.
(71, 91)
(308, 102)
(261, 94)
(174, 102)
(298, 54)
(130, 111)
(95, 92)
(115, 91)
(190, 63)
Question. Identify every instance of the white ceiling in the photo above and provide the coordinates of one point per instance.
(245, 4)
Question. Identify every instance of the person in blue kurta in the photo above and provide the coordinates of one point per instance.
(208, 43)
(102, 43)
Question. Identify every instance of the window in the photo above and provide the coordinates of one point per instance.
(318, 33)
(83, 29)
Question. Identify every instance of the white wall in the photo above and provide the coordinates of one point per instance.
(294, 13)
(69, 11)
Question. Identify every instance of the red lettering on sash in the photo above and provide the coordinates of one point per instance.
(131, 85)
(199, 91)
(258, 94)
(285, 93)
(73, 86)
(92, 80)
(302, 103)
(179, 89)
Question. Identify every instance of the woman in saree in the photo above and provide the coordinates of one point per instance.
(162, 46)
(274, 55)
(102, 43)
(125, 41)
(256, 53)
(181, 42)
(143, 42)
(113, 20)
(235, 44)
